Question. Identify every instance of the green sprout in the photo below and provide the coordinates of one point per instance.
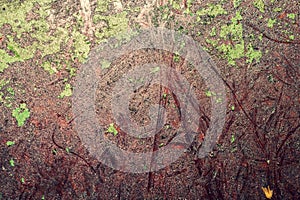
(260, 5)
(54, 151)
(21, 114)
(176, 57)
(22, 180)
(209, 93)
(291, 15)
(67, 149)
(112, 129)
(232, 140)
(12, 162)
(271, 22)
(10, 143)
(232, 107)
(67, 91)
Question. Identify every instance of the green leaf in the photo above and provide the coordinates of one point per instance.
(10, 143)
(271, 22)
(291, 15)
(21, 114)
(232, 108)
(67, 91)
(260, 5)
(112, 129)
(232, 140)
(12, 162)
(209, 93)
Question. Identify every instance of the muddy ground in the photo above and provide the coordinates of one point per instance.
(46, 44)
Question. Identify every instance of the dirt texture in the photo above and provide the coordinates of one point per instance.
(254, 44)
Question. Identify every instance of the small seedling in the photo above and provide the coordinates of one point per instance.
(161, 144)
(67, 91)
(232, 140)
(112, 129)
(54, 151)
(232, 108)
(10, 143)
(67, 149)
(209, 93)
(176, 58)
(22, 180)
(12, 162)
(11, 91)
(291, 15)
(21, 114)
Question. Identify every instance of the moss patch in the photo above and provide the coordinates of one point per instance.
(260, 5)
(66, 92)
(21, 114)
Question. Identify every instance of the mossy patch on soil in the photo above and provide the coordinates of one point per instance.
(21, 114)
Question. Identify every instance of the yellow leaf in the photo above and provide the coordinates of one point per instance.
(268, 192)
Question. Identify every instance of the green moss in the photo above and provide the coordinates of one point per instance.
(81, 46)
(291, 15)
(17, 53)
(175, 4)
(45, 41)
(67, 91)
(236, 3)
(102, 6)
(188, 9)
(114, 23)
(213, 32)
(234, 32)
(12, 162)
(112, 129)
(253, 54)
(48, 67)
(214, 43)
(278, 9)
(15, 14)
(21, 114)
(6, 95)
(260, 5)
(212, 11)
(232, 52)
(271, 22)
(10, 143)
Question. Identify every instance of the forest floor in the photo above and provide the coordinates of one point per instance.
(48, 142)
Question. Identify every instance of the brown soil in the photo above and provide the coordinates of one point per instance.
(265, 124)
